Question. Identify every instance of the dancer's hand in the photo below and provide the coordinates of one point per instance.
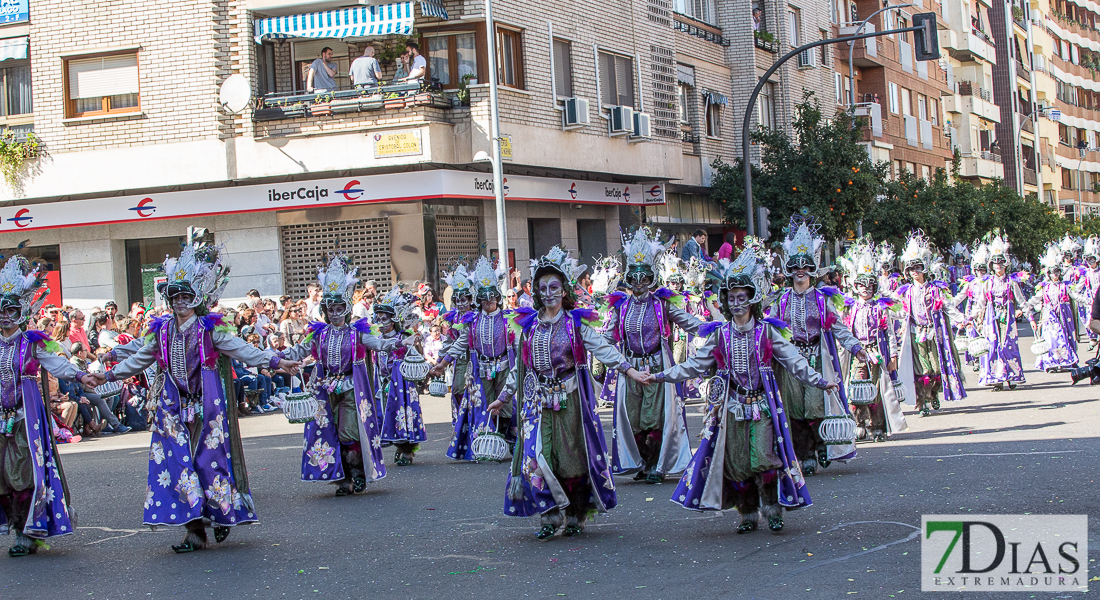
(438, 369)
(411, 340)
(832, 386)
(642, 377)
(93, 380)
(863, 356)
(495, 407)
(290, 367)
(892, 365)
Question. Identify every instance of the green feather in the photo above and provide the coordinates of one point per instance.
(593, 322)
(228, 329)
(678, 301)
(309, 338)
(513, 324)
(52, 346)
(785, 332)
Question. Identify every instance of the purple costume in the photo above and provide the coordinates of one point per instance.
(928, 363)
(403, 425)
(1055, 325)
(1002, 364)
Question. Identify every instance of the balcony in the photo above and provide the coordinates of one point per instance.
(1023, 71)
(866, 51)
(333, 104)
(971, 45)
(1029, 176)
(765, 41)
(981, 165)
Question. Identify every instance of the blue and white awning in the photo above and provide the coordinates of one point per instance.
(13, 48)
(361, 21)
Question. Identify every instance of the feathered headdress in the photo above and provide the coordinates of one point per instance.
(199, 271)
(400, 305)
(606, 276)
(695, 274)
(802, 246)
(20, 284)
(860, 263)
(960, 249)
(918, 251)
(643, 250)
(460, 280)
(486, 279)
(671, 266)
(337, 279)
(998, 247)
(980, 256)
(1051, 258)
(748, 271)
(1069, 245)
(884, 254)
(1092, 247)
(557, 260)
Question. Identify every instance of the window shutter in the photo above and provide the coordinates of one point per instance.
(607, 79)
(103, 76)
(563, 68)
(624, 80)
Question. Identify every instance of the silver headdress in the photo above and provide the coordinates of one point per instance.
(460, 280)
(606, 276)
(337, 280)
(199, 271)
(20, 284)
(802, 246)
(487, 280)
(672, 267)
(748, 271)
(695, 274)
(557, 260)
(885, 254)
(998, 247)
(1052, 258)
(980, 256)
(918, 251)
(1092, 247)
(642, 251)
(860, 263)
(1069, 245)
(400, 304)
(960, 249)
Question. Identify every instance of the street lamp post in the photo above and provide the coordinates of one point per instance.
(852, 49)
(494, 137)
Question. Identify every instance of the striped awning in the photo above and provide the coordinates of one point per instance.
(13, 48)
(361, 21)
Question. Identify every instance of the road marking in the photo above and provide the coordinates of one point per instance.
(995, 454)
(909, 538)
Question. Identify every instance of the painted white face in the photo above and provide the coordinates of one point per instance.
(462, 303)
(551, 290)
(9, 318)
(676, 285)
(738, 301)
(999, 268)
(865, 292)
(1092, 261)
(181, 305)
(1055, 275)
(801, 275)
(384, 321)
(331, 310)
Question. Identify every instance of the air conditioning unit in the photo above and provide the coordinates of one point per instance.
(575, 114)
(641, 128)
(806, 59)
(621, 121)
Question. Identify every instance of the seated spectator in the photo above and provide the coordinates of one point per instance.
(105, 398)
(294, 325)
(433, 344)
(128, 330)
(365, 71)
(256, 380)
(247, 323)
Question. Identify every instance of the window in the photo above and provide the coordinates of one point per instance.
(685, 118)
(15, 92)
(563, 68)
(510, 58)
(616, 80)
(702, 10)
(452, 57)
(1067, 179)
(894, 98)
(823, 50)
(906, 102)
(912, 168)
(922, 107)
(265, 69)
(714, 120)
(934, 110)
(838, 87)
(847, 91)
(794, 22)
(898, 168)
(926, 172)
(102, 85)
(766, 106)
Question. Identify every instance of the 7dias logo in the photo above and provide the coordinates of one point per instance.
(1004, 553)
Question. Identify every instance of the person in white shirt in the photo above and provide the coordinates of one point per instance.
(419, 66)
(365, 70)
(313, 302)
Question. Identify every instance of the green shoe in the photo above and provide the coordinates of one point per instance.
(546, 532)
(775, 523)
(655, 478)
(571, 530)
(221, 533)
(184, 548)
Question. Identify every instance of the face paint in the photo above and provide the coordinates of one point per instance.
(551, 290)
(865, 291)
(676, 285)
(738, 301)
(800, 274)
(639, 281)
(462, 303)
(9, 318)
(384, 321)
(181, 305)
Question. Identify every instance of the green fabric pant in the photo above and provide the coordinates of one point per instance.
(493, 387)
(563, 443)
(802, 402)
(645, 406)
(869, 416)
(16, 473)
(750, 449)
(926, 361)
(346, 415)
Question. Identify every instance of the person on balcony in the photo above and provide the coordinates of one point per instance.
(417, 65)
(757, 19)
(322, 73)
(365, 70)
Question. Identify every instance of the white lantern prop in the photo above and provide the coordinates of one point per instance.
(899, 391)
(839, 430)
(489, 446)
(1040, 346)
(862, 392)
(961, 344)
(437, 388)
(414, 367)
(979, 346)
(300, 407)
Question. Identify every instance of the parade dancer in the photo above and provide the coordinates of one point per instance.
(928, 363)
(196, 462)
(348, 415)
(1088, 284)
(650, 436)
(960, 269)
(560, 464)
(819, 334)
(1073, 273)
(888, 280)
(605, 279)
(870, 318)
(746, 459)
(484, 338)
(395, 317)
(1051, 302)
(462, 300)
(1004, 304)
(34, 496)
(973, 295)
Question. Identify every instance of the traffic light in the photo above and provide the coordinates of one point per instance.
(762, 224)
(926, 44)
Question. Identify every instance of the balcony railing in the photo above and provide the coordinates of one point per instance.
(298, 104)
(1029, 176)
(765, 41)
(689, 137)
(967, 88)
(978, 31)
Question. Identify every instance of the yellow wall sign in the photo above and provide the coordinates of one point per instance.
(506, 147)
(405, 142)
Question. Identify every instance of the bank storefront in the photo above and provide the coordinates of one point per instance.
(396, 227)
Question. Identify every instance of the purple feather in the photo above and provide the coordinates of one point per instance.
(36, 337)
(526, 317)
(829, 290)
(315, 327)
(585, 313)
(616, 298)
(905, 288)
(362, 325)
(777, 323)
(706, 329)
(449, 316)
(886, 302)
(664, 293)
(212, 320)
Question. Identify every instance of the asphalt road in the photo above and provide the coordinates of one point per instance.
(436, 529)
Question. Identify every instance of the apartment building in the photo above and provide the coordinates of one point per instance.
(907, 103)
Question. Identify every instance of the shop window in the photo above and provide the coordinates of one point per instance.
(452, 57)
(102, 85)
(144, 266)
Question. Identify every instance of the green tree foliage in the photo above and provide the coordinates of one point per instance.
(824, 169)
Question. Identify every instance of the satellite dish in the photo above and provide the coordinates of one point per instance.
(235, 94)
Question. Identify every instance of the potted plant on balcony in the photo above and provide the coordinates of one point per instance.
(393, 100)
(463, 94)
(14, 154)
(765, 41)
(321, 105)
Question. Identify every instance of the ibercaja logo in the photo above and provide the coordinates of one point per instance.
(1003, 553)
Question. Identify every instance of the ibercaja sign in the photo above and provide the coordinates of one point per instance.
(1004, 553)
